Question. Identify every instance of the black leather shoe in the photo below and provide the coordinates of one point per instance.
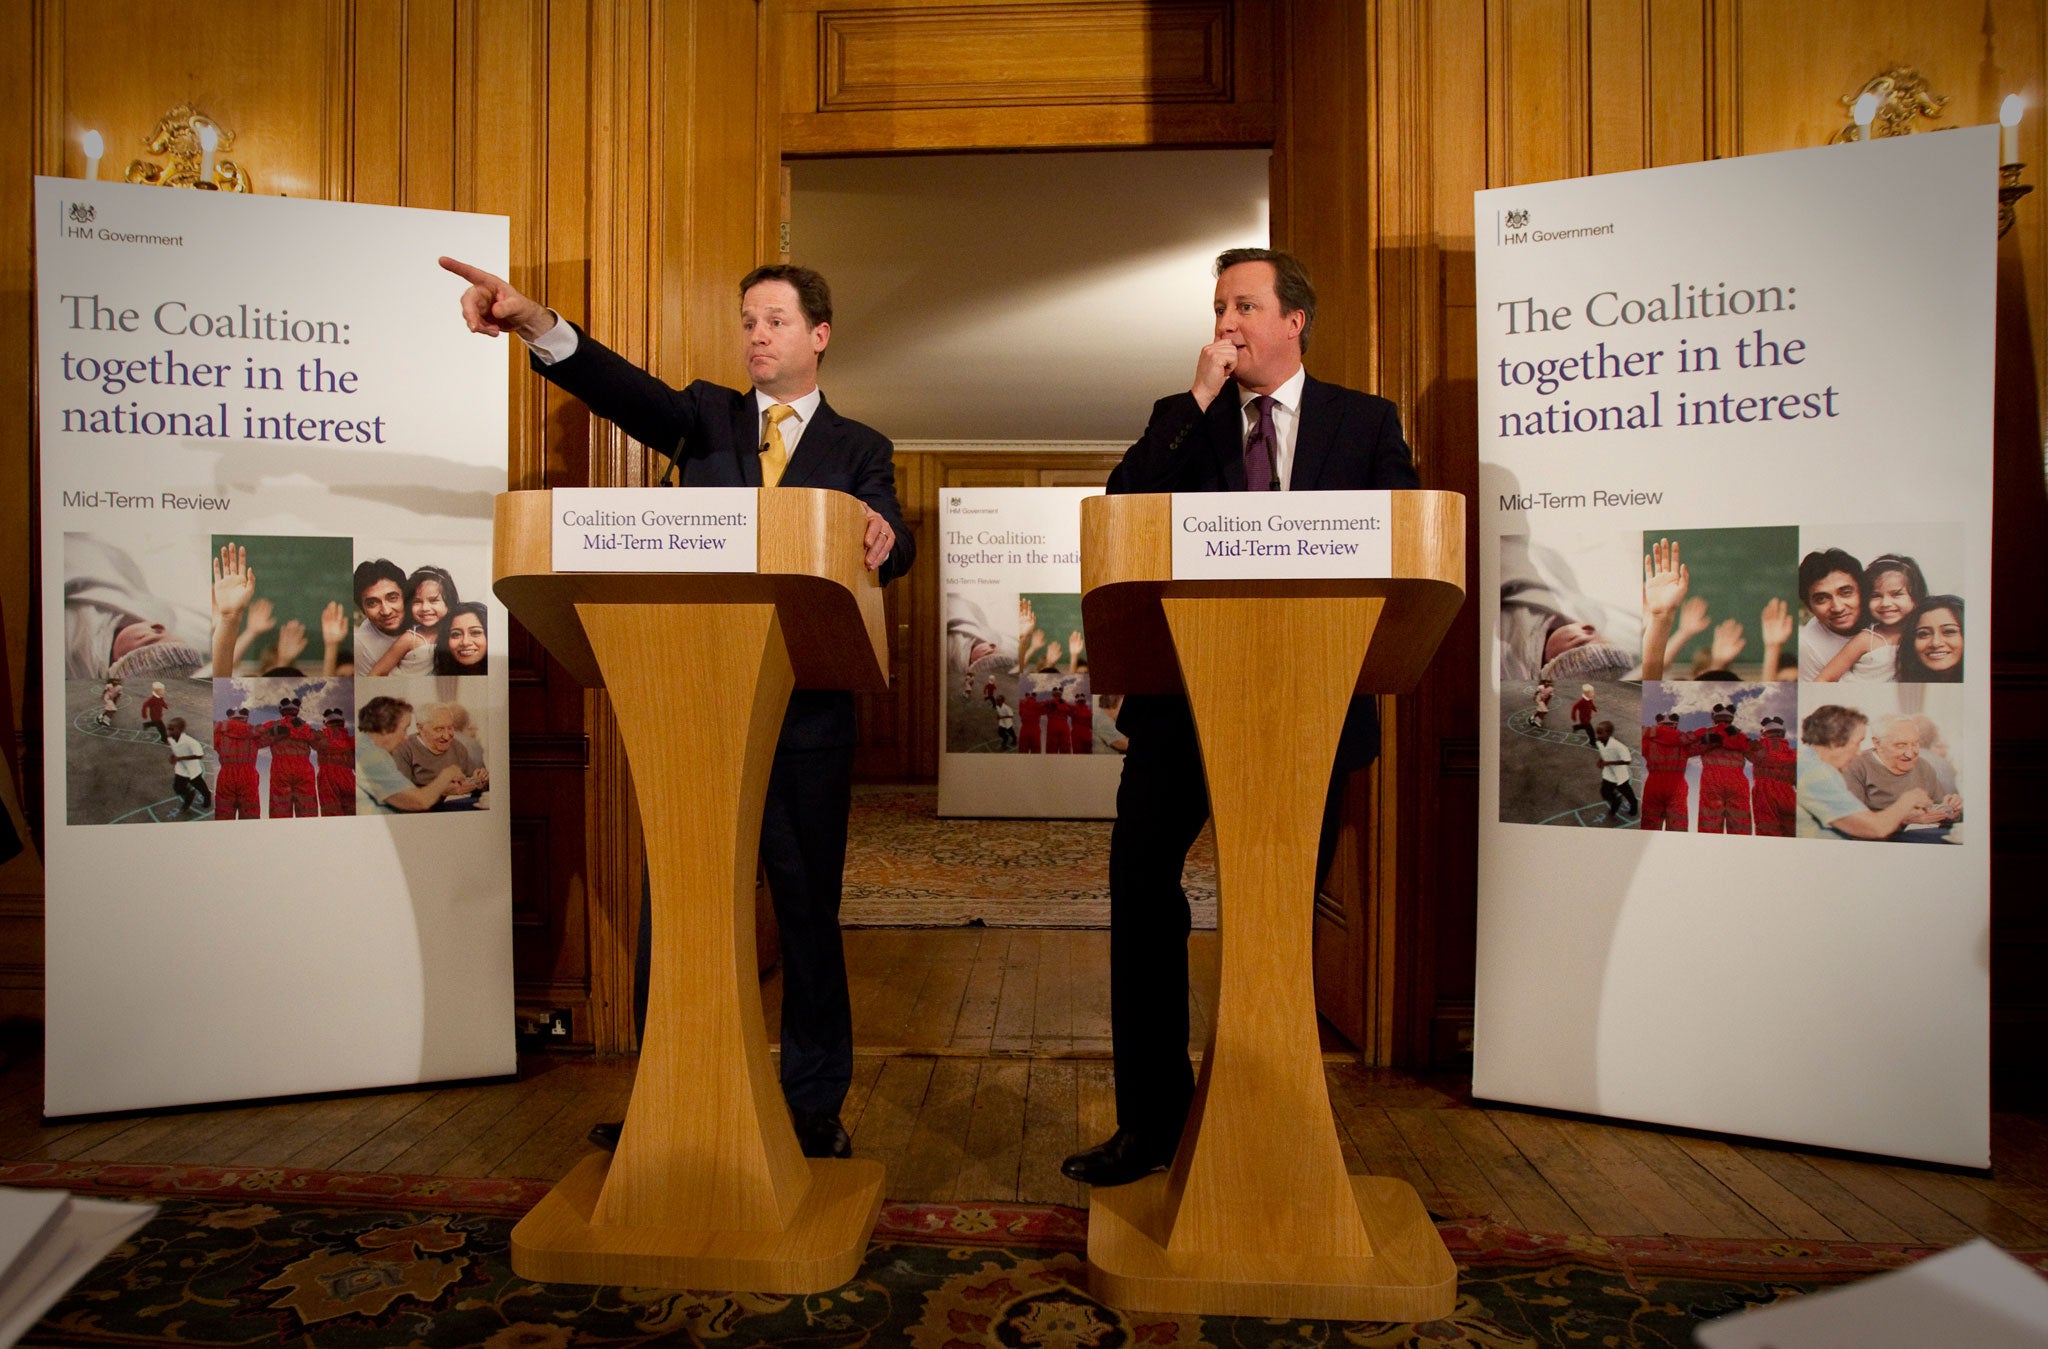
(1126, 1157)
(820, 1134)
(606, 1135)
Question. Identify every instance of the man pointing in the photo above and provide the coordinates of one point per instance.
(781, 432)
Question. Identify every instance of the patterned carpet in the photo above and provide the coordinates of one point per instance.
(906, 867)
(269, 1256)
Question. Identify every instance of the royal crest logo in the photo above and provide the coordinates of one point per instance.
(82, 213)
(1517, 219)
(954, 502)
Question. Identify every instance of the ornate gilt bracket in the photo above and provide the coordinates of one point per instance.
(1902, 100)
(180, 134)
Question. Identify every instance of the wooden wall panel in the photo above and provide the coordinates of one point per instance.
(898, 75)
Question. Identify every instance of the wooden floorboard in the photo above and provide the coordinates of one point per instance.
(983, 1060)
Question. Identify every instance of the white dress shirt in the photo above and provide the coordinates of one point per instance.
(1286, 425)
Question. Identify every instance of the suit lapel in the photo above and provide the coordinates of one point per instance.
(812, 448)
(1315, 436)
(746, 439)
(1226, 433)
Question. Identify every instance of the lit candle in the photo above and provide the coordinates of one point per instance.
(95, 148)
(2009, 132)
(209, 140)
(1866, 113)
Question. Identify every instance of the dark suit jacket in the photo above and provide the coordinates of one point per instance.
(714, 434)
(1347, 441)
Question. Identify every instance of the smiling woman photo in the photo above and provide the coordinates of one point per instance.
(1933, 650)
(463, 648)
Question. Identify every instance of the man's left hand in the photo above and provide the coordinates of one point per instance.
(879, 539)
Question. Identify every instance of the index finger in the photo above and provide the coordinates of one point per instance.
(476, 276)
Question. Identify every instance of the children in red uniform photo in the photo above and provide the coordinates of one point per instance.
(235, 790)
(1724, 783)
(335, 748)
(1665, 796)
(294, 791)
(1774, 795)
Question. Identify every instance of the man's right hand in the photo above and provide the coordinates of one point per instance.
(491, 306)
(1212, 368)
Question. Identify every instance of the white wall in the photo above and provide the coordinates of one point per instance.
(1020, 296)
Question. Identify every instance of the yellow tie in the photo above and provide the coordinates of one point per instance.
(775, 454)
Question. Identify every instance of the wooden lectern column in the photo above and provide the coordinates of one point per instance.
(1261, 1123)
(707, 1142)
(708, 1187)
(1257, 1216)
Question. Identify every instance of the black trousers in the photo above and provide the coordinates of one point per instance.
(803, 851)
(1617, 795)
(1162, 802)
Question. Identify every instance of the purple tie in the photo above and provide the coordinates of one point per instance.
(1261, 472)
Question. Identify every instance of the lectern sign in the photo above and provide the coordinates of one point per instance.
(1250, 536)
(656, 528)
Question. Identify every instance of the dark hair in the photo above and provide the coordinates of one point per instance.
(439, 576)
(1910, 669)
(382, 715)
(1290, 282)
(813, 296)
(1916, 584)
(369, 573)
(1815, 566)
(444, 658)
(1831, 726)
(178, 722)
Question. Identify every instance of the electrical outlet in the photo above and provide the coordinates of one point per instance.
(559, 1024)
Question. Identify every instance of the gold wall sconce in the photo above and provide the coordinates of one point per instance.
(1897, 101)
(193, 142)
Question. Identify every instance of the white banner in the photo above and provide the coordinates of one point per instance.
(276, 710)
(1024, 734)
(1735, 443)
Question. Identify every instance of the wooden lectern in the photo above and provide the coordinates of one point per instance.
(708, 1188)
(1257, 1216)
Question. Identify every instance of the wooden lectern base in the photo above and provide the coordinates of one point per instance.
(1409, 1276)
(820, 1249)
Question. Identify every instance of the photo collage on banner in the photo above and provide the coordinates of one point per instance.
(1734, 559)
(1015, 682)
(1667, 680)
(269, 450)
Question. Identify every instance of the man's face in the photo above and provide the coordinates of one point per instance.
(384, 605)
(781, 347)
(1899, 750)
(1248, 314)
(437, 732)
(1837, 601)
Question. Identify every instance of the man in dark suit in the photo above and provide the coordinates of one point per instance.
(782, 432)
(1255, 421)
